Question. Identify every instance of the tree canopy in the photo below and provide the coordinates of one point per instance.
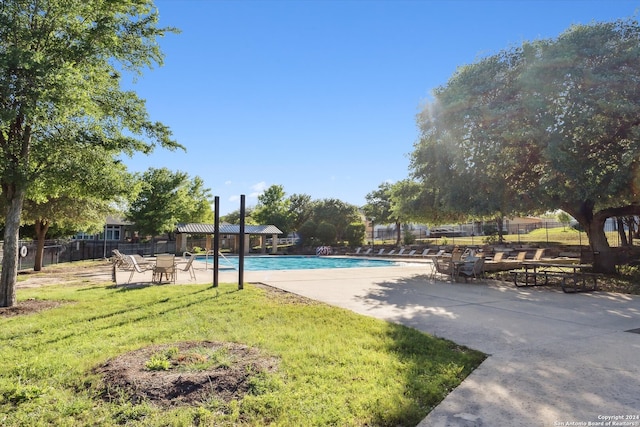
(61, 64)
(167, 198)
(551, 124)
(273, 208)
(76, 195)
(395, 203)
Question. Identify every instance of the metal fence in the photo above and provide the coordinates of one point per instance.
(512, 231)
(68, 251)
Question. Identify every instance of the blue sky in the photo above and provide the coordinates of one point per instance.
(321, 96)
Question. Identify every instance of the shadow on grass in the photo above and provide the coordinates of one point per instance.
(169, 304)
(435, 366)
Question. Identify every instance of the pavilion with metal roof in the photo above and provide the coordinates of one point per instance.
(228, 229)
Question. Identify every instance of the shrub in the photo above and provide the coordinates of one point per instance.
(354, 233)
(326, 233)
(307, 232)
(408, 238)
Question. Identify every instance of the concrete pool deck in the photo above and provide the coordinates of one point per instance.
(553, 358)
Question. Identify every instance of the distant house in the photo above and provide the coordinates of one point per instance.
(116, 229)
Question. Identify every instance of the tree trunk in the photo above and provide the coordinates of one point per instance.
(604, 260)
(41, 226)
(499, 223)
(621, 233)
(399, 233)
(631, 223)
(9, 274)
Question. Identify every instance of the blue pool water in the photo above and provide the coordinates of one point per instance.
(280, 262)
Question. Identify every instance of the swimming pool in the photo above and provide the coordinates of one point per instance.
(292, 262)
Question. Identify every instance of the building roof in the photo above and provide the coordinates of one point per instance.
(116, 220)
(194, 228)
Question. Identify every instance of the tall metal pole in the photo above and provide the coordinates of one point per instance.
(373, 237)
(241, 245)
(216, 240)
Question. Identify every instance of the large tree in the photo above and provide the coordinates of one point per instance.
(273, 208)
(300, 209)
(337, 213)
(60, 66)
(552, 124)
(77, 195)
(402, 202)
(167, 198)
(75, 189)
(379, 206)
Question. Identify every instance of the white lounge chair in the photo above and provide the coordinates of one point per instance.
(425, 252)
(137, 268)
(497, 257)
(436, 255)
(538, 255)
(120, 260)
(188, 265)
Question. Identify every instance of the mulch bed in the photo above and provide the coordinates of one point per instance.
(128, 377)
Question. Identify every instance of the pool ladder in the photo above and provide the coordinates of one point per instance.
(210, 252)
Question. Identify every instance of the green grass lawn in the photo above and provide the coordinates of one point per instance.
(335, 367)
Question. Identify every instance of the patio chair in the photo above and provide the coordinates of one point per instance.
(425, 252)
(120, 260)
(391, 252)
(142, 261)
(538, 255)
(472, 268)
(188, 265)
(497, 257)
(521, 256)
(438, 254)
(443, 266)
(380, 252)
(137, 268)
(412, 252)
(165, 265)
(400, 252)
(470, 253)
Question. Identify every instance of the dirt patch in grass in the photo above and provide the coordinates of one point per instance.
(184, 373)
(29, 306)
(68, 273)
(81, 272)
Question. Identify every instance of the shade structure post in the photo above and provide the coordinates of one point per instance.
(241, 241)
(216, 240)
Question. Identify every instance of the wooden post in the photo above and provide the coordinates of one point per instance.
(216, 240)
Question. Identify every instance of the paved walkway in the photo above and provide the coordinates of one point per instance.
(554, 358)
